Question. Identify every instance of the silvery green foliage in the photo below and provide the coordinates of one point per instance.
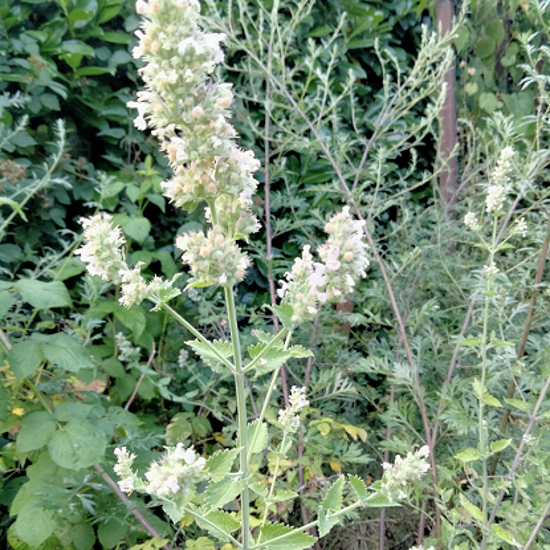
(189, 114)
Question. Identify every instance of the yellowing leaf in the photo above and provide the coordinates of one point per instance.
(335, 466)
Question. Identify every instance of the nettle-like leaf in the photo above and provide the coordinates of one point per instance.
(223, 347)
(259, 444)
(219, 464)
(41, 295)
(326, 522)
(35, 432)
(285, 312)
(281, 496)
(219, 493)
(295, 541)
(275, 356)
(220, 524)
(333, 499)
(359, 487)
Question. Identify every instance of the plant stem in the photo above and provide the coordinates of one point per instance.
(242, 416)
(482, 431)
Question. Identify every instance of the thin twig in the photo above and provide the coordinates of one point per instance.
(386, 459)
(140, 380)
(537, 527)
(137, 514)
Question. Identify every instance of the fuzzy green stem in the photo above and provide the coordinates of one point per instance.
(482, 431)
(242, 415)
(198, 335)
(267, 400)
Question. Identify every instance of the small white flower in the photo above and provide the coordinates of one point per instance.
(289, 417)
(126, 485)
(495, 198)
(471, 221)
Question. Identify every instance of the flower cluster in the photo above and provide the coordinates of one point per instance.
(343, 255)
(128, 481)
(103, 249)
(126, 352)
(404, 471)
(177, 472)
(105, 257)
(213, 258)
(520, 228)
(496, 193)
(189, 115)
(471, 221)
(344, 260)
(289, 417)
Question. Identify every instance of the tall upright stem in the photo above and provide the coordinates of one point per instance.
(482, 431)
(241, 412)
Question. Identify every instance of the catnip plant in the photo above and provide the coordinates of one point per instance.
(188, 113)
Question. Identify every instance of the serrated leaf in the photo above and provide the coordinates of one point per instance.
(271, 359)
(378, 501)
(219, 493)
(219, 464)
(518, 404)
(281, 496)
(223, 524)
(472, 509)
(326, 522)
(223, 347)
(42, 295)
(504, 535)
(35, 432)
(24, 358)
(469, 342)
(295, 541)
(34, 524)
(179, 429)
(333, 498)
(285, 312)
(490, 400)
(259, 444)
(358, 485)
(77, 445)
(64, 351)
(500, 445)
(468, 455)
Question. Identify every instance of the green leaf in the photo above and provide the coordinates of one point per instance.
(6, 301)
(64, 351)
(136, 227)
(77, 445)
(260, 443)
(34, 524)
(497, 343)
(224, 348)
(488, 399)
(295, 541)
(471, 88)
(285, 312)
(518, 404)
(133, 318)
(485, 47)
(65, 412)
(281, 496)
(179, 429)
(333, 498)
(326, 522)
(488, 102)
(24, 358)
(504, 535)
(220, 463)
(223, 522)
(69, 269)
(472, 509)
(35, 432)
(14, 205)
(319, 32)
(83, 536)
(93, 71)
(469, 342)
(42, 295)
(219, 493)
(111, 532)
(377, 500)
(359, 487)
(468, 455)
(500, 445)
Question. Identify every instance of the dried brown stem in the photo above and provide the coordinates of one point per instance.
(140, 379)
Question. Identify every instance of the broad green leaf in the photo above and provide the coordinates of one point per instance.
(488, 399)
(83, 536)
(504, 535)
(69, 269)
(326, 522)
(285, 312)
(472, 509)
(333, 498)
(133, 318)
(260, 443)
(77, 445)
(500, 445)
(111, 532)
(6, 301)
(64, 351)
(136, 228)
(223, 523)
(377, 500)
(24, 358)
(219, 464)
(42, 295)
(34, 524)
(518, 404)
(35, 432)
(179, 429)
(65, 412)
(359, 487)
(469, 342)
(468, 455)
(224, 348)
(219, 493)
(3, 401)
(295, 541)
